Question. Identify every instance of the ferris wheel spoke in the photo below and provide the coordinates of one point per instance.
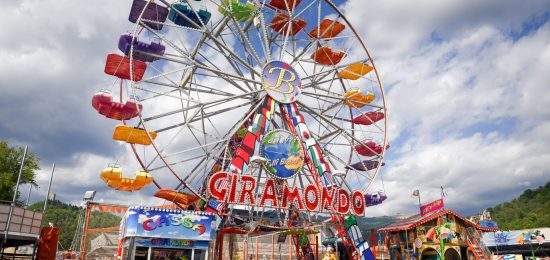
(234, 65)
(289, 29)
(263, 31)
(326, 120)
(209, 114)
(189, 59)
(221, 45)
(245, 40)
(161, 150)
(205, 104)
(196, 87)
(193, 172)
(158, 93)
(236, 68)
(339, 98)
(331, 156)
(194, 64)
(333, 69)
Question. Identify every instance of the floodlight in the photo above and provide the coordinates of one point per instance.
(89, 195)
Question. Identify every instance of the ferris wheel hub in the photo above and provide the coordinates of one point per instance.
(281, 82)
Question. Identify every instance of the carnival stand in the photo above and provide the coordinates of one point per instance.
(155, 233)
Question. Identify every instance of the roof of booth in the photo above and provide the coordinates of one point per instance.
(416, 220)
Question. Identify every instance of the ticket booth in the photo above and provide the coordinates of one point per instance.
(154, 233)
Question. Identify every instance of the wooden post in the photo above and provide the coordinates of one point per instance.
(272, 247)
(87, 220)
(244, 249)
(290, 247)
(373, 245)
(316, 247)
(220, 244)
(256, 248)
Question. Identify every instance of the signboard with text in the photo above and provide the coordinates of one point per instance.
(170, 243)
(170, 224)
(431, 207)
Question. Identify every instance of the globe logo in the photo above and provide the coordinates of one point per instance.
(283, 152)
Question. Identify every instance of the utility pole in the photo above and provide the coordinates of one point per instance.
(49, 187)
(416, 193)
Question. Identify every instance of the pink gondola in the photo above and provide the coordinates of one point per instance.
(370, 148)
(368, 118)
(104, 104)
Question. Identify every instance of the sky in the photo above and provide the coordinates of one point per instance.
(466, 88)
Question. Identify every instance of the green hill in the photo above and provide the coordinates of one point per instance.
(65, 216)
(530, 210)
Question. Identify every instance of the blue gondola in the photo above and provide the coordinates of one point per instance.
(190, 14)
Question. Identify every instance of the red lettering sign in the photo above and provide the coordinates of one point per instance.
(311, 198)
(358, 203)
(249, 183)
(431, 207)
(240, 189)
(292, 196)
(215, 188)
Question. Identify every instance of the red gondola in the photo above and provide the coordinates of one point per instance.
(119, 66)
(326, 56)
(285, 4)
(368, 118)
(281, 23)
(104, 104)
(327, 29)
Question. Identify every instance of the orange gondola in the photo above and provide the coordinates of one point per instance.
(133, 135)
(357, 98)
(112, 176)
(281, 23)
(177, 197)
(327, 29)
(355, 71)
(326, 56)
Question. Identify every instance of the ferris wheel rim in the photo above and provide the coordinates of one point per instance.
(143, 123)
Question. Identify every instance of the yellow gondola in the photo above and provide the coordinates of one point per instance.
(355, 71)
(133, 135)
(112, 176)
(357, 98)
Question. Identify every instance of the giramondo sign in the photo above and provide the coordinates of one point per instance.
(240, 189)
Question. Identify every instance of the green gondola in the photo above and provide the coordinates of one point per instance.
(242, 12)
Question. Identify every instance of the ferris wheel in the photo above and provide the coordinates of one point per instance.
(259, 105)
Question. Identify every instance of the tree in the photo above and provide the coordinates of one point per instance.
(65, 217)
(10, 162)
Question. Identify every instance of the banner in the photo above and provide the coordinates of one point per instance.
(170, 224)
(431, 207)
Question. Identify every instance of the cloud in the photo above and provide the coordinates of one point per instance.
(465, 109)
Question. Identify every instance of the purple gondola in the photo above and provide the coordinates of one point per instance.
(156, 14)
(373, 199)
(141, 49)
(365, 165)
